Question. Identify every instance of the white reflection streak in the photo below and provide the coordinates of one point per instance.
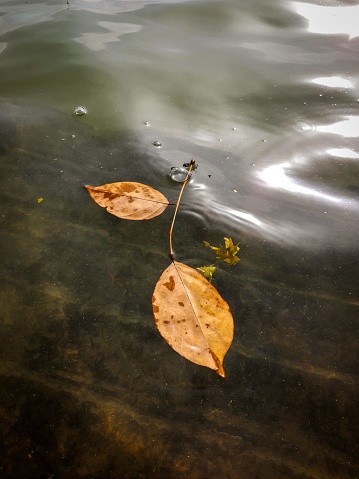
(244, 216)
(275, 176)
(224, 210)
(330, 20)
(199, 186)
(343, 153)
(335, 82)
(349, 127)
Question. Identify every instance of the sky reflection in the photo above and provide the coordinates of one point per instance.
(343, 153)
(244, 216)
(334, 82)
(276, 177)
(13, 17)
(349, 127)
(97, 41)
(330, 20)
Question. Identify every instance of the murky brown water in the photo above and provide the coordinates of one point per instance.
(265, 97)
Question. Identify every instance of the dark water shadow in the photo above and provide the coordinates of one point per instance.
(89, 387)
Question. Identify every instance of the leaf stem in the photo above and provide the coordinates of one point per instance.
(177, 205)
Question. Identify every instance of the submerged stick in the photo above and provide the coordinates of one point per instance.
(191, 165)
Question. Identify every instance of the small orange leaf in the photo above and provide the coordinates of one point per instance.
(129, 200)
(192, 316)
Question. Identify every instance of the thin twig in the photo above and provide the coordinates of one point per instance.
(177, 205)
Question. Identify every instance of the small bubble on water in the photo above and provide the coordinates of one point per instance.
(234, 128)
(178, 174)
(146, 123)
(80, 110)
(157, 143)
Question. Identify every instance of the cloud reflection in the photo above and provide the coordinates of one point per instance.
(97, 41)
(276, 177)
(13, 17)
(335, 82)
(343, 153)
(349, 127)
(330, 20)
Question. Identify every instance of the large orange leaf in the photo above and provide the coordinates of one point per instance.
(129, 200)
(192, 316)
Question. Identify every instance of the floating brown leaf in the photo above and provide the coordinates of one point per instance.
(129, 200)
(192, 316)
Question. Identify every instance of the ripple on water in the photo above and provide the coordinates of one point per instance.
(304, 126)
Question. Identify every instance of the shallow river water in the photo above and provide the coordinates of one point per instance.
(264, 95)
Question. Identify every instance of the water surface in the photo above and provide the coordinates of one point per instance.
(265, 97)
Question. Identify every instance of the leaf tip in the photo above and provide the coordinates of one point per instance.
(220, 371)
(218, 363)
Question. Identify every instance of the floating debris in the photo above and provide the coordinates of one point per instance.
(194, 166)
(157, 143)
